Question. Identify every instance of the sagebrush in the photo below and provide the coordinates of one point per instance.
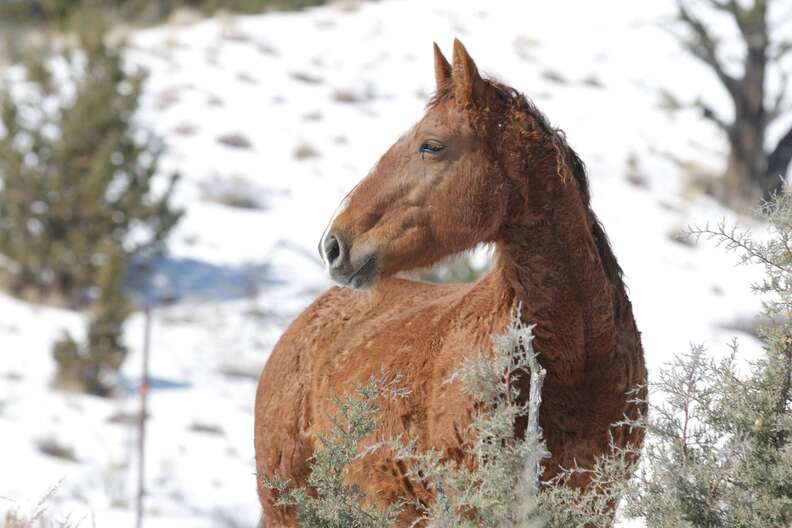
(501, 489)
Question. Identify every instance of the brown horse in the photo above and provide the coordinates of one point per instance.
(482, 165)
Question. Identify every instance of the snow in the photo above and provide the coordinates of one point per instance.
(318, 95)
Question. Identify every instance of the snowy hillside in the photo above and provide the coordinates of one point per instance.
(270, 120)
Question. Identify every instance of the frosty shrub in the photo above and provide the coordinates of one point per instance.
(338, 504)
(611, 481)
(719, 451)
(502, 489)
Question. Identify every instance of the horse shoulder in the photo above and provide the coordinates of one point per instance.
(283, 398)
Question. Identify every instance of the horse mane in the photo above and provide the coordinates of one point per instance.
(520, 103)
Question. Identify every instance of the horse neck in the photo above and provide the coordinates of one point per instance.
(550, 264)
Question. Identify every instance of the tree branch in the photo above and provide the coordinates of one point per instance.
(727, 6)
(705, 48)
(707, 112)
(781, 49)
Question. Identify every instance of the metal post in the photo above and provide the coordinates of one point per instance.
(144, 389)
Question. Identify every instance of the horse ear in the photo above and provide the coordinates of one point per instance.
(468, 84)
(442, 68)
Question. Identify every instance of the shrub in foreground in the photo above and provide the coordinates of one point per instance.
(720, 450)
(501, 490)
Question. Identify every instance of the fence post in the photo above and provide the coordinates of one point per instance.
(144, 390)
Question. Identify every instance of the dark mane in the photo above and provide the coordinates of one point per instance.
(514, 99)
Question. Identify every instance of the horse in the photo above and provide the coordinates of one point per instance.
(483, 165)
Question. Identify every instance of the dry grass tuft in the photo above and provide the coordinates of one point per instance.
(38, 517)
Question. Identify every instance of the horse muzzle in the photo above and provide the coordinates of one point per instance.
(346, 270)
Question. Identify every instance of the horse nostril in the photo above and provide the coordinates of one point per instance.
(332, 251)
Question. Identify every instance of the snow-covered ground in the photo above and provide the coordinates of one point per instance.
(282, 114)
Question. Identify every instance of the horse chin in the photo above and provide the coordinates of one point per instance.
(364, 276)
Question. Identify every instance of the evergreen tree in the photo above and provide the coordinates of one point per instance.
(76, 178)
(76, 197)
(59, 12)
(720, 450)
(91, 366)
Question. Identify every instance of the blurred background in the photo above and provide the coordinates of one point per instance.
(172, 164)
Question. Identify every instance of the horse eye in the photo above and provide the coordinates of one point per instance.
(431, 147)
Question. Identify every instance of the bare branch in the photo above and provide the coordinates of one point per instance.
(739, 240)
(705, 48)
(707, 112)
(727, 6)
(781, 49)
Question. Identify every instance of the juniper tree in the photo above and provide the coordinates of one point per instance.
(92, 365)
(720, 449)
(76, 178)
(77, 198)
